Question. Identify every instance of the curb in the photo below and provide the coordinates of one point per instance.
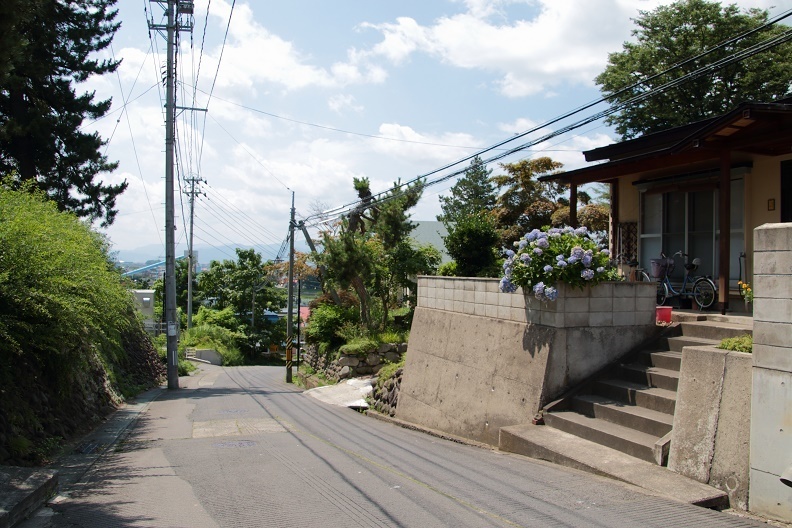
(23, 491)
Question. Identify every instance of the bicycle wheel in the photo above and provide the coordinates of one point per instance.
(643, 277)
(704, 292)
(662, 293)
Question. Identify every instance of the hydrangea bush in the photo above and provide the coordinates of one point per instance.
(545, 258)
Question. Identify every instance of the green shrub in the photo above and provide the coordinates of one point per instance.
(326, 321)
(742, 343)
(223, 340)
(449, 269)
(359, 346)
(224, 318)
(387, 372)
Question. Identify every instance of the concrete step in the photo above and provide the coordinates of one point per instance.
(641, 419)
(676, 344)
(634, 443)
(714, 329)
(558, 447)
(665, 360)
(661, 400)
(652, 376)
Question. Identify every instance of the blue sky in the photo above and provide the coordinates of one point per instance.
(436, 79)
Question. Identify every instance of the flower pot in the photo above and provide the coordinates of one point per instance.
(663, 314)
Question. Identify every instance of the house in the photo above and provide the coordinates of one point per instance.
(701, 188)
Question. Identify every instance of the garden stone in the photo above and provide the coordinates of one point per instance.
(401, 348)
(392, 357)
(384, 348)
(344, 373)
(349, 361)
(373, 359)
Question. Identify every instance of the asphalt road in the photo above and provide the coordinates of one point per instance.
(239, 447)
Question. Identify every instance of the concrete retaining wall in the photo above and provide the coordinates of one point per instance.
(480, 359)
(771, 402)
(710, 441)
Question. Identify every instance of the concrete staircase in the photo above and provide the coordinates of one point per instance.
(630, 406)
(618, 424)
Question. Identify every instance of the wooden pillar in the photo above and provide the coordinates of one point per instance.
(614, 216)
(724, 225)
(573, 205)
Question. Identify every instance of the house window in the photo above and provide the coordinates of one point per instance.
(688, 221)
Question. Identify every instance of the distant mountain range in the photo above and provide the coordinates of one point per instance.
(205, 254)
(430, 232)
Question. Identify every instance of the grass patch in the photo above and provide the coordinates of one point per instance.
(742, 343)
(359, 346)
(388, 371)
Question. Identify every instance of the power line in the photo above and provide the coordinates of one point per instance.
(705, 70)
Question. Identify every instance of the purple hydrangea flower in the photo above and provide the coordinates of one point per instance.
(586, 260)
(587, 274)
(581, 231)
(561, 264)
(605, 252)
(572, 259)
(578, 252)
(530, 237)
(509, 253)
(600, 270)
(507, 286)
(559, 257)
(551, 294)
(525, 257)
(548, 268)
(538, 251)
(522, 244)
(542, 243)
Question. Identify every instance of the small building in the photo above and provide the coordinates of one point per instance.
(144, 299)
(701, 188)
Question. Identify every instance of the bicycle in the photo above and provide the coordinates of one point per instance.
(703, 289)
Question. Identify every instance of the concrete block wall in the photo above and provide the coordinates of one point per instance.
(606, 305)
(480, 359)
(771, 399)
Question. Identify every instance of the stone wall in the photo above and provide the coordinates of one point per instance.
(353, 366)
(771, 400)
(480, 359)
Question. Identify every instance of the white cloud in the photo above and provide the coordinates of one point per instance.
(339, 103)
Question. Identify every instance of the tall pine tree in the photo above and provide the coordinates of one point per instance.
(54, 47)
(471, 194)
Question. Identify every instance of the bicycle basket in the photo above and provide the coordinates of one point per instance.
(662, 267)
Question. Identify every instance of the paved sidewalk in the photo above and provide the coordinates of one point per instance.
(25, 490)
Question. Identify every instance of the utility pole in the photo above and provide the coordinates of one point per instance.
(289, 316)
(190, 255)
(173, 24)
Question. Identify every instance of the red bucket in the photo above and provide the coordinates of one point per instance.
(663, 314)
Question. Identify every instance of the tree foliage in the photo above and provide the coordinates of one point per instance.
(372, 252)
(71, 344)
(472, 193)
(472, 242)
(238, 284)
(525, 203)
(677, 32)
(52, 47)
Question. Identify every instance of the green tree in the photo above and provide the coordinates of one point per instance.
(236, 283)
(472, 241)
(53, 48)
(372, 245)
(473, 192)
(525, 203)
(677, 32)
